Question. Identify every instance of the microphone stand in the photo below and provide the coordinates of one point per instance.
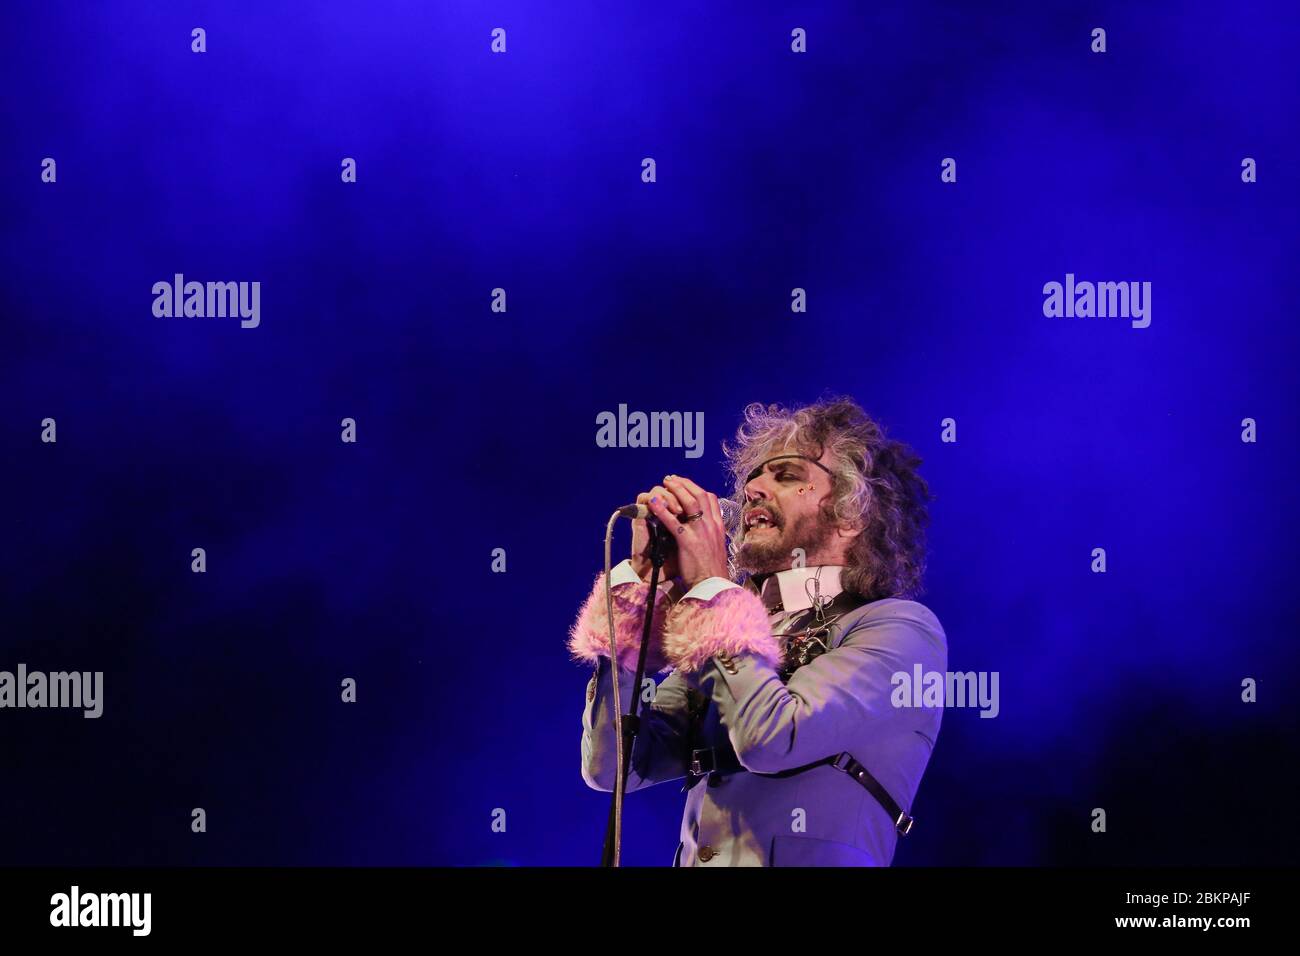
(661, 542)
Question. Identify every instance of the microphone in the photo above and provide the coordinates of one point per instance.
(730, 512)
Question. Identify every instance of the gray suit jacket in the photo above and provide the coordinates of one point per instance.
(842, 700)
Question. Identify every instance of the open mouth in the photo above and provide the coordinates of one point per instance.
(759, 519)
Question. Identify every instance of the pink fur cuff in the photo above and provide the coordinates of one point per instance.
(589, 636)
(733, 622)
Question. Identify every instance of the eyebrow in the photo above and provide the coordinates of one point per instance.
(790, 461)
(794, 465)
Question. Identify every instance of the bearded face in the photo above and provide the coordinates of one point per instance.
(782, 512)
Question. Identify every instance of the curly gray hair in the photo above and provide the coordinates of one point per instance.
(876, 487)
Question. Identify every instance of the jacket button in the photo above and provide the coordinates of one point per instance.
(706, 853)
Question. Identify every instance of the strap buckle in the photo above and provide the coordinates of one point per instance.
(702, 762)
(846, 763)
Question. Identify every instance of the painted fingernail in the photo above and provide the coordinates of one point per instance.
(654, 500)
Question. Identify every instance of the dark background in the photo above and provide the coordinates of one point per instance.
(477, 429)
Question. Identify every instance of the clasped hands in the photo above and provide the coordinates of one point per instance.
(701, 541)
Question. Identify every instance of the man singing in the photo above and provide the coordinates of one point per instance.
(778, 710)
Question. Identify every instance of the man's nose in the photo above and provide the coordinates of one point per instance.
(756, 489)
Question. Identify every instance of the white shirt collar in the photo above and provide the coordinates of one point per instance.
(794, 588)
